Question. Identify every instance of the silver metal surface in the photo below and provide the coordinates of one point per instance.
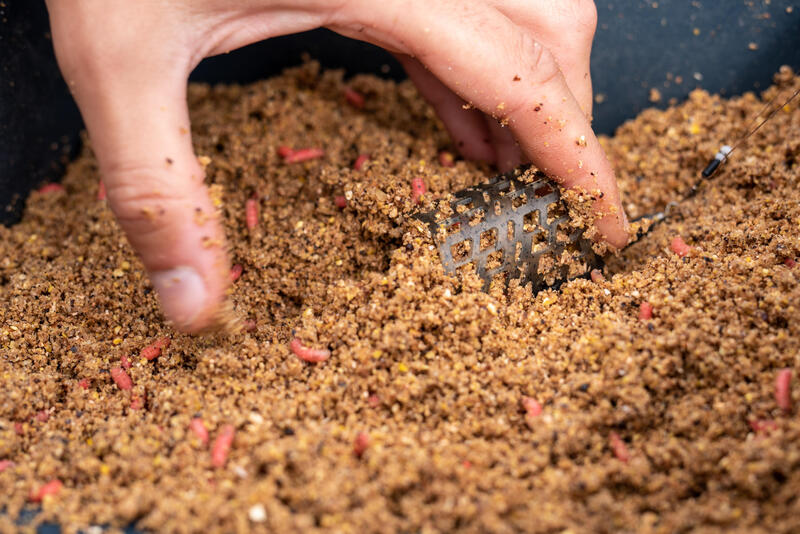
(522, 220)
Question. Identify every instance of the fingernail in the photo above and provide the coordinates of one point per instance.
(182, 293)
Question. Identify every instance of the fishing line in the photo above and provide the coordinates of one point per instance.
(725, 151)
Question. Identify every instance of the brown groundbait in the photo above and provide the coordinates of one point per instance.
(415, 423)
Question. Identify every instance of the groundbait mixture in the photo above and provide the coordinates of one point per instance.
(364, 390)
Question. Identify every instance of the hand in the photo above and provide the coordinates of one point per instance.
(523, 62)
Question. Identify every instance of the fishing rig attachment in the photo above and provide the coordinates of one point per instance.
(516, 225)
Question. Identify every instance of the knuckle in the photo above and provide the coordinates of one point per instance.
(542, 71)
(141, 200)
(338, 12)
(575, 19)
(540, 60)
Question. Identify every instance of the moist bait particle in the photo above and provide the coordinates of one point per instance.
(360, 443)
(304, 154)
(360, 161)
(251, 213)
(783, 392)
(49, 489)
(121, 378)
(236, 272)
(307, 354)
(762, 426)
(222, 446)
(199, 429)
(679, 246)
(645, 311)
(50, 188)
(154, 350)
(619, 447)
(417, 189)
(531, 406)
(138, 401)
(597, 276)
(354, 98)
(446, 159)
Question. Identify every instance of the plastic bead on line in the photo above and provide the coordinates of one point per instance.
(721, 156)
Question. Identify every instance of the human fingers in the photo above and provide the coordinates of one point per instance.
(509, 153)
(466, 126)
(132, 95)
(566, 28)
(513, 78)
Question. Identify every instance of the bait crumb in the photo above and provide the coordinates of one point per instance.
(645, 311)
(446, 159)
(199, 428)
(257, 513)
(763, 426)
(679, 247)
(50, 188)
(418, 189)
(222, 446)
(235, 272)
(655, 95)
(619, 447)
(303, 154)
(783, 392)
(308, 354)
(533, 409)
(50, 489)
(432, 366)
(354, 98)
(360, 444)
(360, 161)
(121, 378)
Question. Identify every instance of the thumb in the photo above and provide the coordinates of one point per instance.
(138, 121)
